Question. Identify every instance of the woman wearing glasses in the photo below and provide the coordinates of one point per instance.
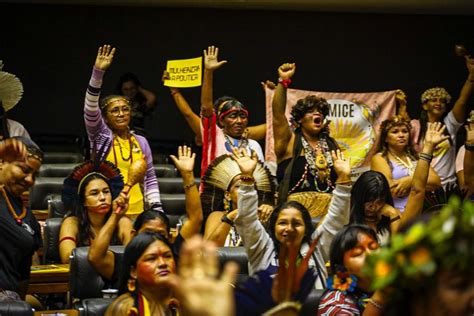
(107, 124)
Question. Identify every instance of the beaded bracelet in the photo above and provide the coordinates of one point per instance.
(189, 185)
(426, 157)
(285, 82)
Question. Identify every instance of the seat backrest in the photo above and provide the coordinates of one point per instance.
(84, 281)
(94, 306)
(165, 171)
(61, 170)
(16, 308)
(43, 187)
(62, 157)
(173, 204)
(311, 304)
(55, 206)
(51, 230)
(238, 255)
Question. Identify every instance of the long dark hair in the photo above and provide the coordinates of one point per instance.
(309, 229)
(133, 252)
(150, 215)
(345, 240)
(371, 186)
(78, 210)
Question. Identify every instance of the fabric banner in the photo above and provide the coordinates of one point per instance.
(355, 121)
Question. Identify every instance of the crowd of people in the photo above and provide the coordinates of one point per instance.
(372, 245)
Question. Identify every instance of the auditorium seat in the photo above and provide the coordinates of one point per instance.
(51, 230)
(174, 204)
(61, 170)
(43, 188)
(93, 306)
(238, 255)
(84, 281)
(165, 171)
(16, 308)
(172, 185)
(62, 157)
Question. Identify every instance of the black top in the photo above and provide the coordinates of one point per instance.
(17, 245)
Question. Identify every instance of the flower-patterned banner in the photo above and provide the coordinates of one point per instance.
(355, 120)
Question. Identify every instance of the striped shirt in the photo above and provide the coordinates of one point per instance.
(101, 134)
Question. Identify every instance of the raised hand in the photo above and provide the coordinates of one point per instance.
(210, 59)
(185, 160)
(264, 212)
(120, 204)
(104, 58)
(165, 76)
(198, 287)
(12, 150)
(286, 71)
(434, 134)
(469, 64)
(401, 97)
(342, 166)
(247, 164)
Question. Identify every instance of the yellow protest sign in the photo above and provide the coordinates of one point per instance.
(184, 73)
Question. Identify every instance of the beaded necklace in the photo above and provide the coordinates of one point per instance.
(318, 163)
(241, 143)
(18, 218)
(131, 147)
(409, 166)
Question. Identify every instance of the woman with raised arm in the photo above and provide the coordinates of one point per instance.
(220, 203)
(91, 194)
(396, 160)
(108, 124)
(434, 109)
(104, 260)
(290, 221)
(224, 121)
(20, 233)
(371, 199)
(303, 155)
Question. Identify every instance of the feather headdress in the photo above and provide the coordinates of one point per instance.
(11, 89)
(218, 179)
(96, 166)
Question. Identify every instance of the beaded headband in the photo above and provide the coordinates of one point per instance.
(114, 100)
(396, 120)
(437, 92)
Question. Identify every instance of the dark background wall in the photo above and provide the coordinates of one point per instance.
(51, 48)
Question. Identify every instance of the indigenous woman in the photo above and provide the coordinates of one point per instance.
(109, 125)
(221, 183)
(371, 200)
(87, 194)
(104, 260)
(348, 288)
(147, 266)
(303, 155)
(434, 109)
(396, 160)
(228, 114)
(290, 222)
(20, 233)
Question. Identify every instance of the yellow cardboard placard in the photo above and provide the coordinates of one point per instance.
(184, 73)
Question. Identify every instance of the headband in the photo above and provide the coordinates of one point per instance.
(437, 92)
